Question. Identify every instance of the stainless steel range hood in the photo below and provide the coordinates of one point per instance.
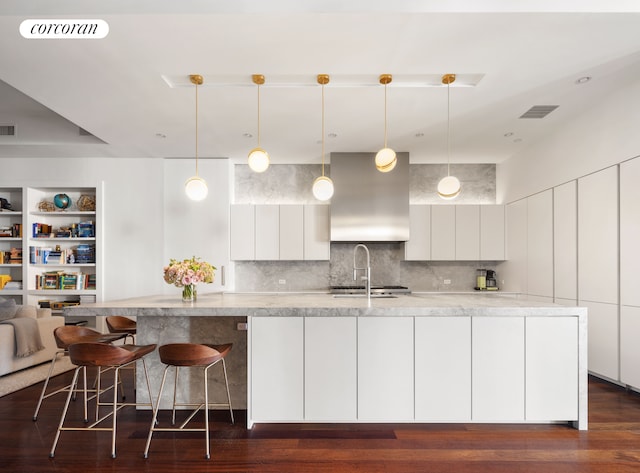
(369, 205)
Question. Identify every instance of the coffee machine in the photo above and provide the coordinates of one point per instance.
(492, 283)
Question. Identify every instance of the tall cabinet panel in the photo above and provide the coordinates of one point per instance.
(629, 233)
(291, 232)
(514, 269)
(467, 232)
(598, 237)
(267, 232)
(316, 232)
(629, 346)
(565, 242)
(603, 339)
(443, 232)
(540, 244)
(242, 223)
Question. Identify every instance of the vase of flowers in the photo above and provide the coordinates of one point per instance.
(187, 274)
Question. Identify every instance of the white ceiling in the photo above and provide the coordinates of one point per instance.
(520, 53)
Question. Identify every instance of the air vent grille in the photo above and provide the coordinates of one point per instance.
(7, 130)
(539, 111)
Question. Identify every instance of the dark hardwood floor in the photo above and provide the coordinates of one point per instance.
(612, 443)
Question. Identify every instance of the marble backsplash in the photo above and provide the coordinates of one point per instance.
(291, 184)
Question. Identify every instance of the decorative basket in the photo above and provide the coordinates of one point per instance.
(45, 206)
(86, 203)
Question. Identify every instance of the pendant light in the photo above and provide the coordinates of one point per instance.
(449, 187)
(196, 187)
(258, 158)
(385, 158)
(323, 186)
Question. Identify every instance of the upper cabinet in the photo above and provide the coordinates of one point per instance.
(540, 244)
(456, 233)
(565, 241)
(279, 232)
(629, 232)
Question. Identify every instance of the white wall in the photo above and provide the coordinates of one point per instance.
(606, 134)
(133, 213)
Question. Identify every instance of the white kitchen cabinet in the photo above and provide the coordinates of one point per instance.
(551, 368)
(492, 232)
(598, 237)
(443, 232)
(418, 248)
(277, 368)
(467, 230)
(514, 269)
(603, 339)
(498, 369)
(267, 232)
(630, 346)
(330, 379)
(291, 232)
(540, 244)
(316, 232)
(629, 232)
(242, 225)
(385, 369)
(442, 369)
(565, 241)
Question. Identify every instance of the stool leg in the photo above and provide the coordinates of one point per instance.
(116, 377)
(206, 409)
(155, 412)
(46, 383)
(175, 390)
(226, 382)
(64, 411)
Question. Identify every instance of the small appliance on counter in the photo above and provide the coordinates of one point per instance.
(486, 280)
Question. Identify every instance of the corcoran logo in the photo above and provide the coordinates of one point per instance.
(64, 29)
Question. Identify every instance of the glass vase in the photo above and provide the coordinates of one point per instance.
(189, 293)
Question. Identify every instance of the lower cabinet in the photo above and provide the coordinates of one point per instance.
(330, 360)
(498, 368)
(385, 368)
(277, 369)
(629, 346)
(422, 369)
(603, 339)
(443, 369)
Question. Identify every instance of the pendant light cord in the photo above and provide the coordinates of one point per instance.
(385, 115)
(322, 130)
(258, 115)
(196, 129)
(448, 130)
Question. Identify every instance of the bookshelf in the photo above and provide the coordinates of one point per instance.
(52, 257)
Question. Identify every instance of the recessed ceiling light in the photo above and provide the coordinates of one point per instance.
(419, 135)
(161, 135)
(508, 134)
(583, 80)
(517, 140)
(332, 135)
(247, 135)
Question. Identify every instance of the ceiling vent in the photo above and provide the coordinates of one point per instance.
(539, 111)
(7, 130)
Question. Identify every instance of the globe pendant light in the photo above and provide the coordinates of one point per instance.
(323, 186)
(385, 158)
(258, 158)
(449, 187)
(195, 187)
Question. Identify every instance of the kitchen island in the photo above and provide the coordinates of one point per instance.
(421, 357)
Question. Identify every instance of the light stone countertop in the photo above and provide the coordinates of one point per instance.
(324, 304)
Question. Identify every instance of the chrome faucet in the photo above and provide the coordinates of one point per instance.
(366, 269)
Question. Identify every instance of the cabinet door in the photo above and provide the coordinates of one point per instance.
(277, 371)
(291, 232)
(598, 237)
(565, 241)
(242, 232)
(267, 232)
(552, 368)
(498, 368)
(385, 368)
(514, 269)
(418, 248)
(603, 339)
(443, 232)
(540, 244)
(316, 232)
(629, 232)
(492, 232)
(467, 232)
(330, 369)
(443, 369)
(629, 346)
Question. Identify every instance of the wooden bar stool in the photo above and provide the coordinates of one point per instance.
(102, 356)
(65, 336)
(190, 355)
(120, 324)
